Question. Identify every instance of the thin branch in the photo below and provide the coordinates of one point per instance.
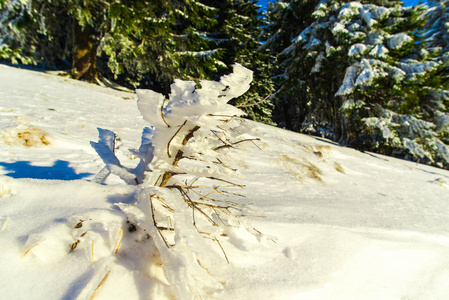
(222, 180)
(162, 113)
(192, 203)
(219, 138)
(219, 162)
(222, 250)
(235, 143)
(253, 104)
(155, 223)
(168, 144)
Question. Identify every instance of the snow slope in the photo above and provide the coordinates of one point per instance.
(337, 223)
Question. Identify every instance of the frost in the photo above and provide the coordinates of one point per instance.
(320, 11)
(396, 74)
(368, 17)
(379, 12)
(316, 68)
(382, 124)
(414, 68)
(361, 74)
(349, 10)
(357, 50)
(379, 51)
(397, 40)
(374, 39)
(352, 104)
(339, 29)
(199, 113)
(442, 121)
(348, 81)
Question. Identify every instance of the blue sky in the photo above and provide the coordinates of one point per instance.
(264, 3)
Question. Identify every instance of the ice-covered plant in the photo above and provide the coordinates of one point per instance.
(185, 186)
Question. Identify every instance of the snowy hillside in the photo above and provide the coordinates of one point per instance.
(318, 221)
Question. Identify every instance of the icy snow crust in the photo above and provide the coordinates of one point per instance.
(336, 223)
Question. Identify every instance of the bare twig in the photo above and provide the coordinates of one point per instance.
(235, 143)
(179, 155)
(244, 104)
(226, 181)
(155, 223)
(225, 143)
(192, 204)
(218, 242)
(177, 131)
(162, 113)
(223, 164)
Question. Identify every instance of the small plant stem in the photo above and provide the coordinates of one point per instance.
(179, 155)
(101, 283)
(154, 221)
(232, 144)
(162, 113)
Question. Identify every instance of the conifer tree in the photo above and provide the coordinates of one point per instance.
(360, 74)
(150, 41)
(285, 20)
(437, 27)
(236, 32)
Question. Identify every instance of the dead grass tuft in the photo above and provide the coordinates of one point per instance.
(312, 171)
(301, 168)
(318, 150)
(25, 136)
(339, 168)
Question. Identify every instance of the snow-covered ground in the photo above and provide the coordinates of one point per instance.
(336, 223)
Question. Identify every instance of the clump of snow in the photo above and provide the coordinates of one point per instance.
(397, 40)
(357, 50)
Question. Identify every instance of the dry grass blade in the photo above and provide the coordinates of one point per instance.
(99, 286)
(6, 223)
(226, 181)
(219, 244)
(164, 204)
(235, 143)
(32, 247)
(93, 258)
(162, 113)
(120, 240)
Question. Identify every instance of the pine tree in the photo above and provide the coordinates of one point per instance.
(286, 20)
(150, 41)
(236, 31)
(29, 35)
(360, 74)
(437, 27)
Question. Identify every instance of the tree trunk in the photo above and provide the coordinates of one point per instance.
(84, 65)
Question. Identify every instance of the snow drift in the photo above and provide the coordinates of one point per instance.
(333, 222)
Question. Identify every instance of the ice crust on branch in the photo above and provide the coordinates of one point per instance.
(185, 180)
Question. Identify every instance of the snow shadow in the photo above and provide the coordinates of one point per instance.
(60, 170)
